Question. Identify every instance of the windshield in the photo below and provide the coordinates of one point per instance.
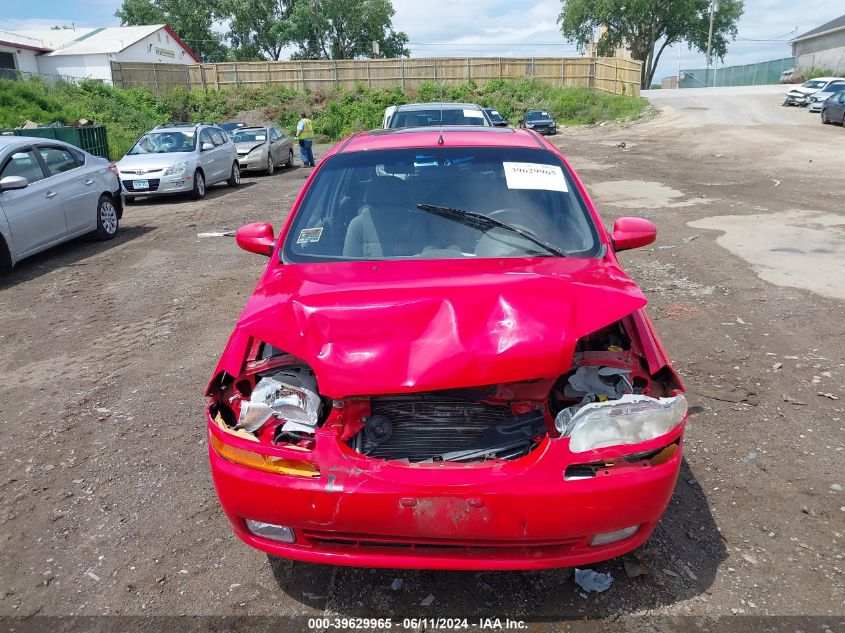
(251, 136)
(424, 118)
(165, 142)
(835, 86)
(813, 83)
(538, 116)
(364, 205)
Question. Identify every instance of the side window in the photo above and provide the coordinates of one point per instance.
(78, 155)
(58, 159)
(274, 135)
(217, 137)
(23, 164)
(224, 134)
(205, 137)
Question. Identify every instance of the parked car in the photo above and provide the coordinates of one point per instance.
(495, 118)
(180, 158)
(800, 96)
(51, 192)
(540, 121)
(444, 366)
(262, 149)
(816, 100)
(833, 110)
(427, 114)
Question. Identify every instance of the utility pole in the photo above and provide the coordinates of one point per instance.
(710, 41)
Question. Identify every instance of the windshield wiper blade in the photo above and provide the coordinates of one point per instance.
(484, 223)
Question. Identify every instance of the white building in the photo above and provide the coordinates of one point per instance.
(88, 53)
(20, 53)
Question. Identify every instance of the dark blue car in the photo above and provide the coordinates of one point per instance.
(833, 110)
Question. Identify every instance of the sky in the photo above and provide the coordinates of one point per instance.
(496, 27)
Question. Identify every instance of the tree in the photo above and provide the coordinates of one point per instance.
(259, 28)
(345, 29)
(647, 27)
(191, 20)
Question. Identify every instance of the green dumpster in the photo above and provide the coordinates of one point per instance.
(92, 138)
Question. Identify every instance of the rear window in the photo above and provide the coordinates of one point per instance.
(425, 118)
(363, 205)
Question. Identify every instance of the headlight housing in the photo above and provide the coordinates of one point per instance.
(256, 152)
(177, 170)
(629, 420)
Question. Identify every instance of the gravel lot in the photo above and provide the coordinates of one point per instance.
(107, 506)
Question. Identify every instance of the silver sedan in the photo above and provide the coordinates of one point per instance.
(262, 149)
(51, 192)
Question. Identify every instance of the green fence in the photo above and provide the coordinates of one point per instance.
(749, 75)
(92, 138)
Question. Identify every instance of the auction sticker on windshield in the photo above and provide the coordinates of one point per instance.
(310, 235)
(473, 114)
(534, 176)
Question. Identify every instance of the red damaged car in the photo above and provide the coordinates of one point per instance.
(444, 366)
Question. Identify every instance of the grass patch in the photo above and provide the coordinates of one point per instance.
(128, 113)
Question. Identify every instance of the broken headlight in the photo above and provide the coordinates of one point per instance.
(629, 420)
(290, 395)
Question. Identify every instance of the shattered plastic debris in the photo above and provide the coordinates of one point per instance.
(590, 580)
(831, 396)
(791, 400)
(216, 234)
(282, 399)
(750, 457)
(689, 239)
(396, 585)
(426, 602)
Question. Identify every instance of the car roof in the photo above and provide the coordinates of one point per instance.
(181, 128)
(827, 79)
(436, 105)
(429, 136)
(14, 141)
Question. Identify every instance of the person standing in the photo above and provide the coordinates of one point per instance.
(305, 135)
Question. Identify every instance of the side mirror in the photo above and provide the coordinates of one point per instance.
(631, 233)
(207, 146)
(13, 182)
(256, 238)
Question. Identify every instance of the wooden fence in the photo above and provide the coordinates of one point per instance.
(618, 76)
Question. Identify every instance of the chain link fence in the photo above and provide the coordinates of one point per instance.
(748, 75)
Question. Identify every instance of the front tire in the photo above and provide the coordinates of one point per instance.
(289, 162)
(825, 120)
(235, 177)
(107, 220)
(271, 166)
(199, 186)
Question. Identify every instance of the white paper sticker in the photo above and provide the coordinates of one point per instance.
(307, 236)
(473, 114)
(534, 176)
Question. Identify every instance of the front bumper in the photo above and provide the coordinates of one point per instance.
(815, 106)
(546, 130)
(158, 186)
(248, 163)
(797, 100)
(518, 514)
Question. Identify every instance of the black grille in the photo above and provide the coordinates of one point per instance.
(130, 185)
(429, 426)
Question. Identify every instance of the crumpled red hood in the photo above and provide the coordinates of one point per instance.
(370, 328)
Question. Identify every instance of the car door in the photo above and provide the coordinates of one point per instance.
(837, 108)
(223, 155)
(35, 213)
(76, 184)
(284, 146)
(209, 158)
(277, 146)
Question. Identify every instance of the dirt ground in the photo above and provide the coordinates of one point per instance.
(107, 505)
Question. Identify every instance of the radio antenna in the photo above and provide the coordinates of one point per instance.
(440, 137)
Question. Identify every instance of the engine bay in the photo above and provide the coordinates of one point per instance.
(277, 402)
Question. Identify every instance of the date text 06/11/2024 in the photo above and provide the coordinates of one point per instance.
(493, 624)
